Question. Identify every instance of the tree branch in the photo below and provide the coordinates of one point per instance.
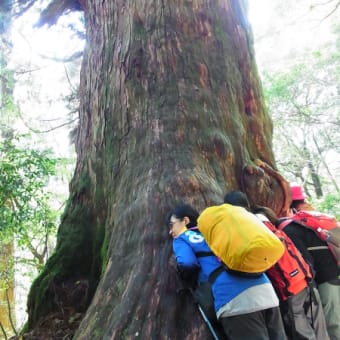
(56, 8)
(10, 313)
(3, 331)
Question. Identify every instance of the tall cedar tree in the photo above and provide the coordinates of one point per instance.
(171, 110)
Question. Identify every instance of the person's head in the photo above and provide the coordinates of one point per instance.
(183, 216)
(297, 193)
(300, 205)
(297, 204)
(298, 199)
(237, 198)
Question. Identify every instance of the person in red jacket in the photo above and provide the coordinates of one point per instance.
(327, 272)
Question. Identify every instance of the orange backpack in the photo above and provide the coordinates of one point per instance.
(291, 273)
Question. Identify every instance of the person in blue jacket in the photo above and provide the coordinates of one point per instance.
(247, 307)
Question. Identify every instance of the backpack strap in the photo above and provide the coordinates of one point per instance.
(215, 273)
(284, 222)
(204, 253)
(201, 253)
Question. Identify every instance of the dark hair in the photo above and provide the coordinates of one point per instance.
(237, 198)
(181, 211)
(295, 204)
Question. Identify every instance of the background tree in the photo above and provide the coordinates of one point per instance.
(29, 176)
(7, 319)
(304, 103)
(27, 220)
(171, 109)
(25, 210)
(303, 99)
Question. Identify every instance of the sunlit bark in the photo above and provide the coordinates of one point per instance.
(7, 316)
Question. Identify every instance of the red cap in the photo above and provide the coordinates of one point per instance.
(297, 193)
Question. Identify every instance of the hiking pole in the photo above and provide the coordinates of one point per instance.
(205, 318)
(211, 328)
(313, 298)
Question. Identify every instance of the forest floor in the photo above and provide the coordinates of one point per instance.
(56, 326)
(71, 297)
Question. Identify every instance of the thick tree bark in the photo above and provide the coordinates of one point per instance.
(171, 110)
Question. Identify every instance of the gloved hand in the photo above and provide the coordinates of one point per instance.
(189, 276)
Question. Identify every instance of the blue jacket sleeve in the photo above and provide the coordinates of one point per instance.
(187, 264)
(185, 256)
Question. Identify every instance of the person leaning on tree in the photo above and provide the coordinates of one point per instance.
(247, 307)
(327, 272)
(302, 312)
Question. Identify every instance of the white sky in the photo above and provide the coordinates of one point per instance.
(277, 37)
(34, 49)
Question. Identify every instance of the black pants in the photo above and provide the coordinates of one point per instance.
(262, 325)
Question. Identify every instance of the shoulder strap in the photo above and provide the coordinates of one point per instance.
(204, 253)
(284, 223)
(215, 273)
(201, 253)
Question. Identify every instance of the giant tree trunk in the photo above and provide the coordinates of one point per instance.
(171, 110)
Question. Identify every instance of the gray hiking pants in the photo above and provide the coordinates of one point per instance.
(330, 298)
(308, 315)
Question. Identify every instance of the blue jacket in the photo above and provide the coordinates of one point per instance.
(226, 286)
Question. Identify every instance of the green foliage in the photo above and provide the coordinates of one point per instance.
(303, 101)
(329, 204)
(26, 212)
